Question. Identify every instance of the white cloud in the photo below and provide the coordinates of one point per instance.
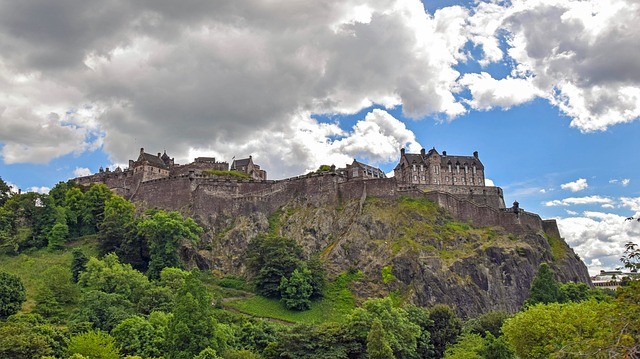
(558, 46)
(613, 181)
(580, 201)
(633, 203)
(43, 190)
(489, 182)
(218, 77)
(571, 213)
(542, 190)
(599, 238)
(81, 172)
(625, 182)
(575, 186)
(488, 92)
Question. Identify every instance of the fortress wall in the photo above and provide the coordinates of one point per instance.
(172, 193)
(550, 227)
(381, 187)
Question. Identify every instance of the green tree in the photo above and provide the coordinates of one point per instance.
(74, 204)
(563, 330)
(207, 353)
(56, 291)
(94, 345)
(164, 231)
(296, 291)
(102, 310)
(490, 322)
(270, 259)
(468, 346)
(110, 276)
(118, 233)
(58, 236)
(138, 336)
(377, 344)
(26, 336)
(12, 294)
(420, 317)
(445, 329)
(402, 334)
(317, 276)
(192, 328)
(544, 287)
(78, 264)
(94, 206)
(5, 192)
(496, 348)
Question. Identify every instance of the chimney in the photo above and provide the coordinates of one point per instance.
(141, 150)
(444, 153)
(402, 151)
(422, 152)
(475, 154)
(159, 154)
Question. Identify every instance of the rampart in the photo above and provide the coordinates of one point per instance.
(207, 197)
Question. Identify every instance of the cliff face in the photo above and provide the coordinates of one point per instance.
(407, 247)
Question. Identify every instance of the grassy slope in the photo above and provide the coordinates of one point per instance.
(337, 303)
(29, 266)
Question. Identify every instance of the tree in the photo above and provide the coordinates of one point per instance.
(402, 334)
(296, 291)
(138, 336)
(631, 257)
(26, 336)
(377, 344)
(102, 310)
(207, 353)
(94, 206)
(490, 322)
(563, 330)
(118, 233)
(270, 259)
(56, 291)
(192, 328)
(445, 329)
(94, 345)
(5, 192)
(317, 276)
(58, 236)
(164, 231)
(544, 287)
(78, 264)
(110, 276)
(12, 294)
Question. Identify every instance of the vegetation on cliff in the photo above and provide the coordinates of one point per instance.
(116, 285)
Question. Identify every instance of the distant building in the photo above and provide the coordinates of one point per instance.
(247, 166)
(612, 279)
(433, 168)
(359, 170)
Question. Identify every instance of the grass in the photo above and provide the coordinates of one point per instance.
(337, 303)
(558, 247)
(236, 174)
(29, 266)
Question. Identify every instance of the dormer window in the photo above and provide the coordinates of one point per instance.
(466, 168)
(457, 168)
(449, 167)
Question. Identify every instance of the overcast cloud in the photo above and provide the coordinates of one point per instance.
(237, 78)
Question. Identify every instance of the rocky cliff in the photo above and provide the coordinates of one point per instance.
(409, 247)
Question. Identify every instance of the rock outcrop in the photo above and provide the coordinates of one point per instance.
(426, 254)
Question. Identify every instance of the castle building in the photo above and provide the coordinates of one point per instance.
(247, 166)
(151, 167)
(433, 168)
(359, 170)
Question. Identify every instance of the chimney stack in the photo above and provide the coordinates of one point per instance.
(475, 154)
(402, 151)
(444, 153)
(422, 152)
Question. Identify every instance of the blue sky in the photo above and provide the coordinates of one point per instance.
(296, 85)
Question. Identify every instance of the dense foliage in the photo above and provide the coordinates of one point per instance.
(134, 299)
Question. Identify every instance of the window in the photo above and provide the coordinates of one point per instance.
(455, 179)
(474, 169)
(457, 168)
(421, 168)
(423, 178)
(415, 178)
(449, 167)
(466, 169)
(446, 179)
(471, 180)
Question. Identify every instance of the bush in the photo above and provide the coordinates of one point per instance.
(12, 294)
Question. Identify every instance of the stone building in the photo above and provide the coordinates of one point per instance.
(247, 166)
(359, 170)
(150, 166)
(433, 168)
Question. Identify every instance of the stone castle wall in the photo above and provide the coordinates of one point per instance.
(208, 197)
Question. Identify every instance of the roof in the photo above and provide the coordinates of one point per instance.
(152, 159)
(416, 158)
(241, 162)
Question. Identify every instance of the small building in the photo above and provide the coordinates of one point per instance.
(612, 279)
(151, 166)
(359, 170)
(247, 166)
(433, 168)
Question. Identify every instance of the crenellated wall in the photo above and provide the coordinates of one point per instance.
(207, 197)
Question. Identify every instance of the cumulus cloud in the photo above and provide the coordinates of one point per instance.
(575, 186)
(218, 76)
(81, 171)
(625, 182)
(557, 51)
(489, 182)
(599, 238)
(43, 190)
(633, 203)
(580, 201)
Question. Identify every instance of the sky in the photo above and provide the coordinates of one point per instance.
(547, 91)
